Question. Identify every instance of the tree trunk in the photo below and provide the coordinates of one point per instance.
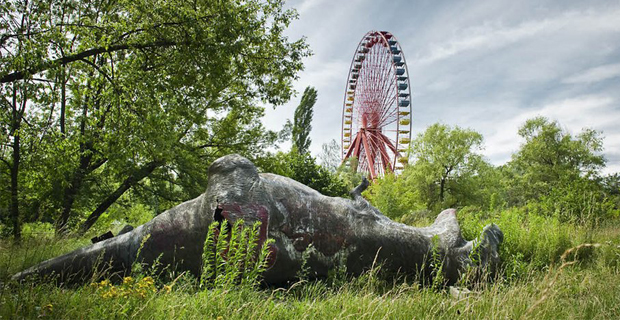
(308, 229)
(442, 184)
(63, 100)
(17, 233)
(132, 180)
(85, 167)
(70, 194)
(14, 209)
(75, 185)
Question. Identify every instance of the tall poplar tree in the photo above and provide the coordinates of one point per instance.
(303, 121)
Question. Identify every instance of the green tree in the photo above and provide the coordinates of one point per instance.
(394, 195)
(443, 158)
(302, 124)
(298, 164)
(130, 92)
(347, 172)
(611, 186)
(445, 171)
(558, 170)
(551, 155)
(303, 168)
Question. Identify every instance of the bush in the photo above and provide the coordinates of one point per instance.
(393, 197)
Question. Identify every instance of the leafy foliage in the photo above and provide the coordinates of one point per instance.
(559, 171)
(550, 156)
(101, 98)
(394, 196)
(445, 172)
(553, 172)
(331, 155)
(443, 155)
(588, 289)
(238, 259)
(303, 121)
(303, 168)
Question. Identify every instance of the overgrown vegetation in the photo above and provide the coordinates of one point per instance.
(111, 112)
(553, 174)
(560, 256)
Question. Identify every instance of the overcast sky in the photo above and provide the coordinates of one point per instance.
(483, 65)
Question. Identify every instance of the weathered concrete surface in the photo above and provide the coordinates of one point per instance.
(298, 218)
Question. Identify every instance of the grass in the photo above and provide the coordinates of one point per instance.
(537, 283)
(576, 294)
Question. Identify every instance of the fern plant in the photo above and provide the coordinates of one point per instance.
(232, 256)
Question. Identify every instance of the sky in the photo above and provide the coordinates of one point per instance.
(483, 65)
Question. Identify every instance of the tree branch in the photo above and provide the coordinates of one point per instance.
(105, 75)
(7, 163)
(129, 182)
(19, 75)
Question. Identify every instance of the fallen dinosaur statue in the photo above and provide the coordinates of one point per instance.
(332, 230)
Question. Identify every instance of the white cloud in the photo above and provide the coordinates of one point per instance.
(493, 35)
(483, 37)
(307, 5)
(595, 74)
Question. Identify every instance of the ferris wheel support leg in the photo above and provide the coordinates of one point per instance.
(388, 143)
(369, 157)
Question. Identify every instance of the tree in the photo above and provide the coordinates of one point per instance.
(303, 121)
(558, 171)
(550, 155)
(394, 196)
(443, 156)
(331, 156)
(445, 171)
(130, 91)
(298, 164)
(302, 167)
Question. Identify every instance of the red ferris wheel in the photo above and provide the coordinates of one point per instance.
(376, 117)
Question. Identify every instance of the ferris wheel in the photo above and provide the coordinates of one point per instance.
(376, 116)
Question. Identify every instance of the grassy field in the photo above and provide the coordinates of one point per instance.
(542, 278)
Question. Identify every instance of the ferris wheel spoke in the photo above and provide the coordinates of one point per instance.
(386, 80)
(389, 119)
(390, 109)
(385, 157)
(378, 142)
(382, 156)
